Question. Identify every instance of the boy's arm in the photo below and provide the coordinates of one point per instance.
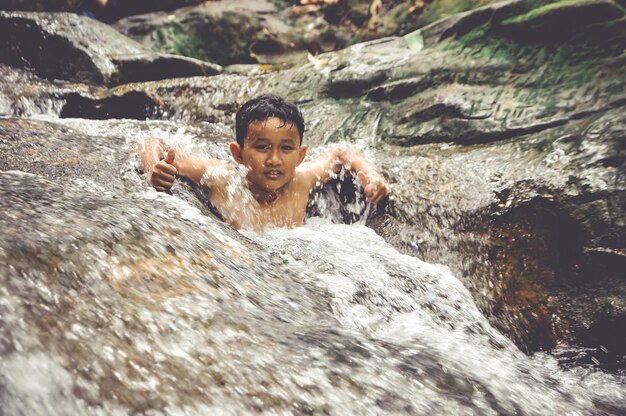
(162, 171)
(321, 169)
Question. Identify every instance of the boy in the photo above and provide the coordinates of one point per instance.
(276, 185)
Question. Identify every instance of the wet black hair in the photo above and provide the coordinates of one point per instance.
(264, 107)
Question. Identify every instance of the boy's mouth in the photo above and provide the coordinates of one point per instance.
(273, 174)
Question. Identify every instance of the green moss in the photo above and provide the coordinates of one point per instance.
(559, 6)
(225, 40)
(540, 11)
(562, 70)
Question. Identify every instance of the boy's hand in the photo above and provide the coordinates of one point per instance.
(374, 186)
(164, 173)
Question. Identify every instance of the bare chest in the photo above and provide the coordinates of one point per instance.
(288, 213)
(245, 212)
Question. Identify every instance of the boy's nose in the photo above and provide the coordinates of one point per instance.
(273, 160)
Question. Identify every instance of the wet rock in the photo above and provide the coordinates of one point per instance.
(73, 48)
(435, 11)
(378, 19)
(24, 94)
(134, 105)
(540, 226)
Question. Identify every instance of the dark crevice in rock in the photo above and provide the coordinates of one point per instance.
(336, 201)
(589, 313)
(613, 161)
(603, 334)
(346, 88)
(533, 246)
(399, 90)
(434, 111)
(155, 68)
(132, 105)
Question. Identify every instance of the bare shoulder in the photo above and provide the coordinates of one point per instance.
(218, 173)
(319, 169)
(310, 174)
(305, 178)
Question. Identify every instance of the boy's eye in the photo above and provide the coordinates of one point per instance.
(287, 148)
(261, 147)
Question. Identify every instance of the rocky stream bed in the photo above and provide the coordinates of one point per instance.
(502, 131)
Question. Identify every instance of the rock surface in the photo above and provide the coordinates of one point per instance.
(79, 49)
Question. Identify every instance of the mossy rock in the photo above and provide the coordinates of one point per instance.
(223, 39)
(218, 32)
(561, 19)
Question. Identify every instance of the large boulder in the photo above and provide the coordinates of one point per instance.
(79, 49)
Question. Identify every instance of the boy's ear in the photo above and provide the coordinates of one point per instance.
(302, 153)
(235, 150)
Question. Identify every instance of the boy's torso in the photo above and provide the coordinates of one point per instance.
(239, 208)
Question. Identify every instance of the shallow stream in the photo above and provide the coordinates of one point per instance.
(117, 299)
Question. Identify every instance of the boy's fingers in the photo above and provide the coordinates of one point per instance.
(381, 195)
(165, 167)
(374, 186)
(382, 192)
(376, 197)
(373, 197)
(165, 176)
(158, 182)
(362, 178)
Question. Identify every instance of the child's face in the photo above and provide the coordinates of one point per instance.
(271, 152)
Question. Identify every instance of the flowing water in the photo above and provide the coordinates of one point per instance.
(116, 299)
